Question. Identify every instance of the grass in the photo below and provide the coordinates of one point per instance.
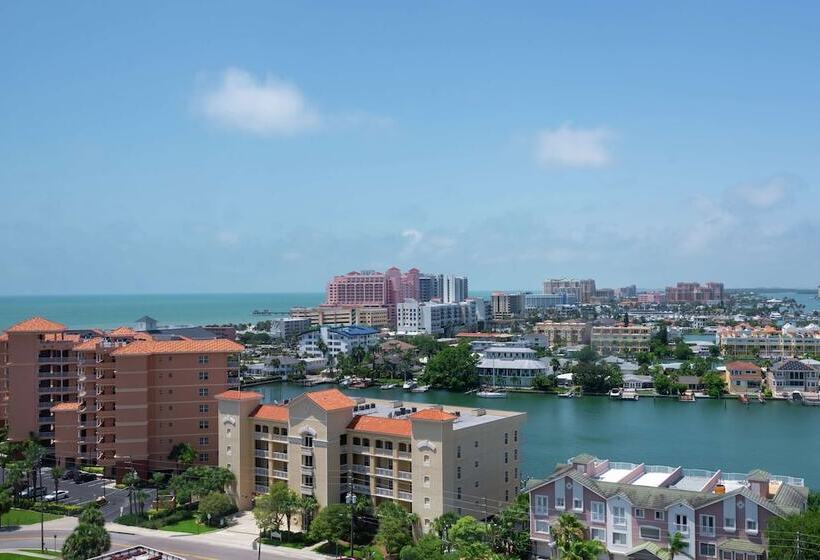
(13, 556)
(188, 526)
(53, 553)
(26, 517)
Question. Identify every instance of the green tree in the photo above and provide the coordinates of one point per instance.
(442, 523)
(676, 545)
(131, 480)
(510, 529)
(5, 504)
(214, 508)
(543, 382)
(395, 527)
(714, 384)
(85, 541)
(452, 368)
(783, 534)
(331, 523)
(57, 473)
(276, 506)
(92, 515)
(428, 547)
(582, 550)
(183, 454)
(568, 530)
(682, 351)
(468, 536)
(307, 507)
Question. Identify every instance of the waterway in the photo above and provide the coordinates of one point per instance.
(779, 437)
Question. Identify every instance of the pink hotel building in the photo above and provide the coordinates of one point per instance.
(119, 398)
(376, 289)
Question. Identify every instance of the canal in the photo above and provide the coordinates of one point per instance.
(779, 437)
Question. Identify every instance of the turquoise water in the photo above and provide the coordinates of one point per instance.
(778, 437)
(168, 309)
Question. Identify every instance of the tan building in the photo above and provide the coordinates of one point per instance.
(424, 457)
(377, 317)
(620, 339)
(38, 369)
(571, 333)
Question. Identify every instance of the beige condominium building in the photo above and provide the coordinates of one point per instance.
(371, 316)
(571, 333)
(427, 458)
(621, 339)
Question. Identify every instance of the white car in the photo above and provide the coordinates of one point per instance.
(56, 496)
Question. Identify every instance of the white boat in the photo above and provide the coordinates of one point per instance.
(492, 394)
(629, 395)
(390, 386)
(567, 395)
(615, 393)
(408, 385)
(420, 389)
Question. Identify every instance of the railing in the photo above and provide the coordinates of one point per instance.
(706, 531)
(280, 474)
(405, 455)
(263, 453)
(699, 473)
(658, 469)
(279, 455)
(406, 475)
(361, 489)
(60, 359)
(307, 490)
(361, 469)
(259, 489)
(384, 452)
(359, 449)
(388, 492)
(384, 472)
(791, 480)
(261, 471)
(45, 435)
(619, 521)
(682, 529)
(408, 496)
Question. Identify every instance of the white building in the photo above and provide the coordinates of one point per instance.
(454, 289)
(287, 327)
(414, 317)
(505, 366)
(339, 340)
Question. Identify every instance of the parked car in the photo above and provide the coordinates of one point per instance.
(56, 496)
(33, 492)
(83, 476)
(69, 474)
(101, 500)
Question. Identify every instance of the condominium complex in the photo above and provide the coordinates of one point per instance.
(583, 290)
(509, 366)
(371, 316)
(620, 339)
(533, 302)
(427, 458)
(507, 306)
(289, 327)
(634, 509)
(455, 289)
(769, 342)
(337, 340)
(652, 298)
(692, 292)
(414, 317)
(570, 333)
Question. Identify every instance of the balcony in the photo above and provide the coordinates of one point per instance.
(405, 455)
(259, 489)
(365, 469)
(406, 475)
(384, 472)
(279, 456)
(406, 496)
(263, 453)
(46, 435)
(280, 474)
(707, 531)
(386, 492)
(261, 472)
(307, 490)
(361, 489)
(384, 452)
(55, 359)
(682, 529)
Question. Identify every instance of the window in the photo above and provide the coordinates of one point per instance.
(650, 533)
(426, 481)
(476, 484)
(307, 480)
(506, 457)
(598, 509)
(475, 444)
(458, 492)
(751, 525)
(729, 524)
(659, 515)
(343, 458)
(203, 457)
(307, 461)
(426, 503)
(515, 454)
(458, 473)
(379, 444)
(506, 476)
(476, 464)
(357, 441)
(515, 435)
(541, 504)
(203, 391)
(203, 441)
(597, 534)
(707, 525)
(506, 438)
(203, 376)
(542, 526)
(640, 513)
(426, 460)
(559, 502)
(203, 359)
(619, 539)
(681, 523)
(708, 549)
(203, 424)
(343, 439)
(307, 441)
(619, 515)
(458, 452)
(203, 409)
(366, 442)
(578, 504)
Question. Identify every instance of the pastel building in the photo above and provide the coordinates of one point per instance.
(338, 340)
(507, 306)
(789, 375)
(693, 292)
(371, 316)
(570, 333)
(427, 458)
(620, 339)
(634, 508)
(584, 290)
(743, 377)
(435, 318)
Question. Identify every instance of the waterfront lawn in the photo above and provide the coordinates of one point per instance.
(26, 517)
(188, 526)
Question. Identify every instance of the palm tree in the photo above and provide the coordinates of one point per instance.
(581, 550)
(676, 544)
(57, 473)
(308, 506)
(568, 530)
(139, 497)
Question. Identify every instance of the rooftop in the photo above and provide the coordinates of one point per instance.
(234, 395)
(275, 412)
(36, 325)
(330, 399)
(184, 346)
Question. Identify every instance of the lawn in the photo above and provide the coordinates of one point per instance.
(38, 551)
(187, 526)
(13, 556)
(26, 517)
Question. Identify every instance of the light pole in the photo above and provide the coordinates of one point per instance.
(350, 498)
(55, 543)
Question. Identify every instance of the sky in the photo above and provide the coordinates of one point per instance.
(263, 147)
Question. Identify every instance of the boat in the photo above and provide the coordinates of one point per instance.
(687, 396)
(761, 399)
(262, 312)
(743, 398)
(388, 386)
(796, 397)
(420, 389)
(615, 393)
(408, 385)
(360, 384)
(345, 382)
(629, 395)
(568, 395)
(492, 394)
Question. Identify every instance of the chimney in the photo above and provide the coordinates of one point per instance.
(759, 482)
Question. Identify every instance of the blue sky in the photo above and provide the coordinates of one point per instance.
(203, 147)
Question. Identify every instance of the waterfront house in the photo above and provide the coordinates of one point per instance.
(634, 508)
(338, 340)
(505, 366)
(637, 381)
(791, 374)
(743, 377)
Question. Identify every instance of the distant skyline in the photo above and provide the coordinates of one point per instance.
(199, 147)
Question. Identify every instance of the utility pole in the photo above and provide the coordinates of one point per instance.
(797, 546)
(351, 499)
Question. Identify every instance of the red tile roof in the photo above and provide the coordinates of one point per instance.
(378, 425)
(742, 365)
(331, 399)
(122, 331)
(147, 347)
(37, 325)
(274, 412)
(234, 395)
(90, 344)
(432, 414)
(65, 407)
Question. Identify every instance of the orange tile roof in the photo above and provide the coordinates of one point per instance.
(90, 344)
(331, 399)
(378, 425)
(147, 347)
(432, 414)
(4, 336)
(274, 412)
(234, 395)
(65, 407)
(742, 365)
(36, 325)
(122, 331)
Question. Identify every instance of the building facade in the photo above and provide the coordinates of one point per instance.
(620, 339)
(289, 327)
(507, 306)
(509, 366)
(693, 292)
(337, 340)
(535, 302)
(583, 290)
(371, 316)
(426, 458)
(455, 289)
(634, 509)
(434, 318)
(790, 374)
(744, 377)
(570, 333)
(769, 341)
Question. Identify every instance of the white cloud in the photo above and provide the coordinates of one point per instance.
(568, 146)
(712, 223)
(261, 106)
(763, 195)
(226, 238)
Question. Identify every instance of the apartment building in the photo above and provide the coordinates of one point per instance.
(337, 340)
(38, 369)
(289, 327)
(620, 339)
(507, 306)
(570, 333)
(651, 298)
(536, 302)
(415, 317)
(139, 395)
(371, 316)
(583, 290)
(693, 292)
(427, 458)
(509, 366)
(769, 342)
(634, 509)
(743, 377)
(789, 374)
(455, 289)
